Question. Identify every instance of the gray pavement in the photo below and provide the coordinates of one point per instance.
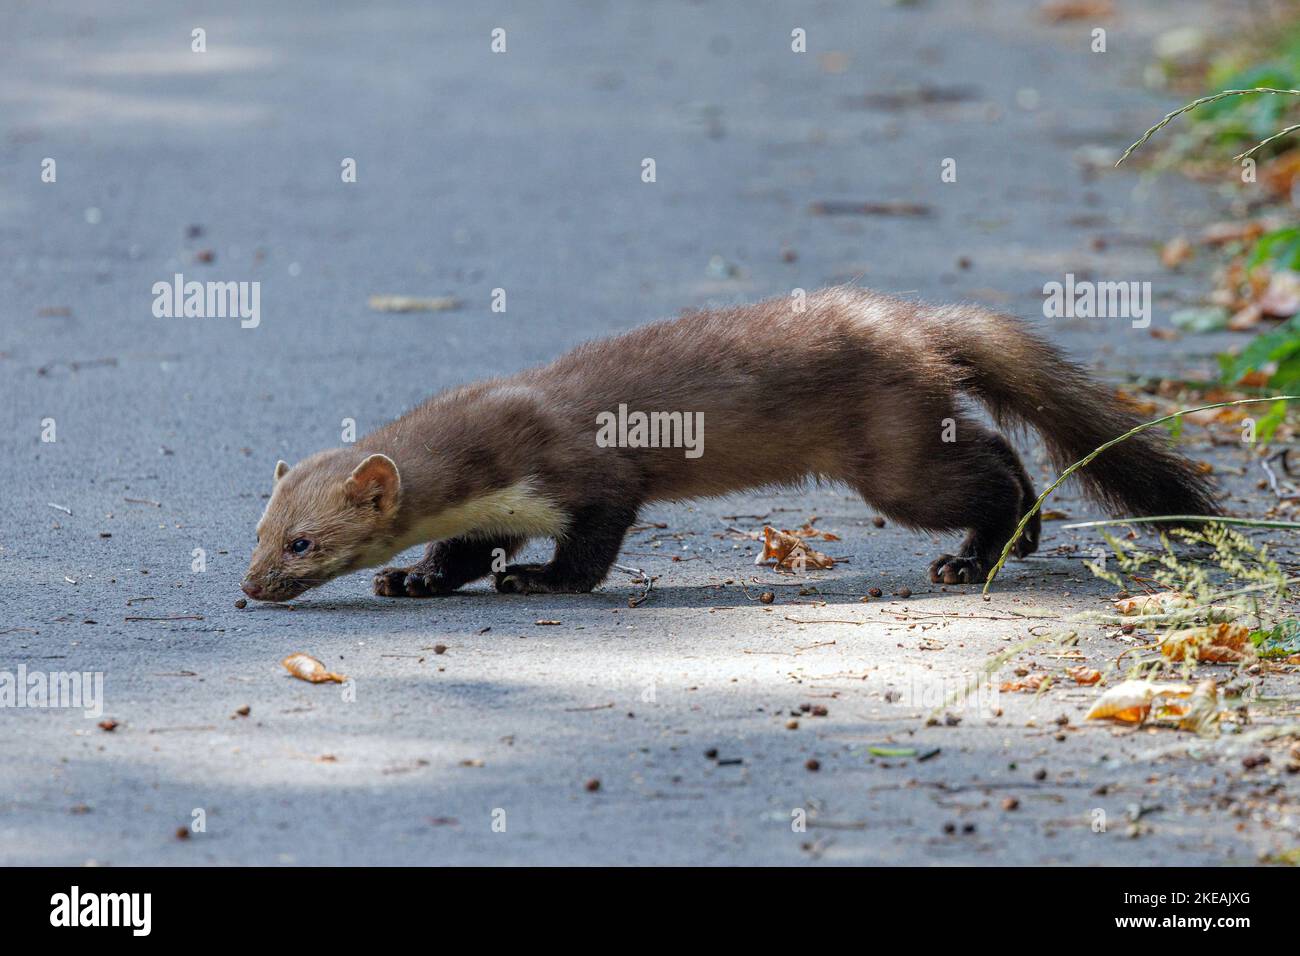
(522, 171)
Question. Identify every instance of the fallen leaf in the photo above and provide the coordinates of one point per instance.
(1141, 406)
(1061, 11)
(808, 531)
(305, 667)
(1034, 682)
(1175, 252)
(1160, 603)
(1084, 675)
(1216, 234)
(1202, 716)
(1131, 701)
(1281, 299)
(1279, 173)
(1246, 318)
(1213, 318)
(1213, 643)
(790, 551)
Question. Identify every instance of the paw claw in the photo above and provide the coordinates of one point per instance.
(936, 565)
(391, 582)
(520, 579)
(407, 582)
(417, 585)
(947, 569)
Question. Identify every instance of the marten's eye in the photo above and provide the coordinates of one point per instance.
(300, 545)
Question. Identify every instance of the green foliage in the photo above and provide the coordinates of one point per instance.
(1226, 584)
(1279, 346)
(1280, 640)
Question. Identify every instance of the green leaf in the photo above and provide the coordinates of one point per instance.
(1278, 245)
(1275, 346)
(1267, 425)
(1282, 640)
(892, 751)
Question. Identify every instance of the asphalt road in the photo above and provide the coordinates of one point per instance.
(523, 171)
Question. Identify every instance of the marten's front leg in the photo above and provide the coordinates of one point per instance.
(582, 557)
(445, 567)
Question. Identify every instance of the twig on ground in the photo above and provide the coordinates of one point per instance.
(638, 599)
(1272, 478)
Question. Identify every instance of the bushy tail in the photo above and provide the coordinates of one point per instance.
(1022, 377)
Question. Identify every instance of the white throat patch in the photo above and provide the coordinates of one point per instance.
(517, 511)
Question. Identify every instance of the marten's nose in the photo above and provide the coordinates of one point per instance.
(252, 590)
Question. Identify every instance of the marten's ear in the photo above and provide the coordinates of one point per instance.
(280, 469)
(374, 482)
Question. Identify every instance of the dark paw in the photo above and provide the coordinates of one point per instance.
(1027, 543)
(408, 582)
(522, 579)
(391, 582)
(947, 569)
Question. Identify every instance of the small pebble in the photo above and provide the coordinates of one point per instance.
(1010, 803)
(767, 597)
(875, 592)
(241, 603)
(813, 764)
(592, 785)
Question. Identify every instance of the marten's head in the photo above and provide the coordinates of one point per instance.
(333, 513)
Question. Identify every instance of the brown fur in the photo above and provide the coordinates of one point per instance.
(856, 389)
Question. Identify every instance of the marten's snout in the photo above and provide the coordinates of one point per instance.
(252, 589)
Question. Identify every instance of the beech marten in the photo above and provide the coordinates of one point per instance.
(856, 387)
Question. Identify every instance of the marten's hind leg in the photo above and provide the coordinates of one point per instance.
(446, 566)
(984, 542)
(976, 483)
(583, 556)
